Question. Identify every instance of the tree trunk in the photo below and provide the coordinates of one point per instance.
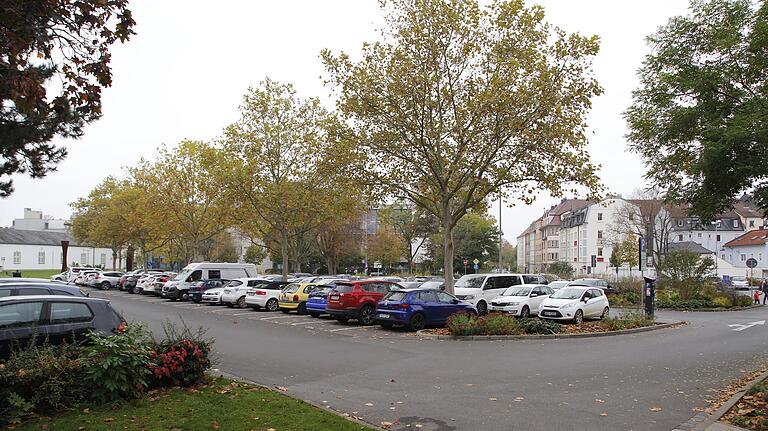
(129, 259)
(284, 253)
(114, 260)
(410, 257)
(448, 252)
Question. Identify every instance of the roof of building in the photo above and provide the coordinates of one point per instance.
(34, 237)
(688, 246)
(753, 237)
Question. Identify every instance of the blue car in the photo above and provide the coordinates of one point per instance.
(318, 299)
(417, 309)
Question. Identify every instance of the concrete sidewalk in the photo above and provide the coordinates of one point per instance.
(720, 426)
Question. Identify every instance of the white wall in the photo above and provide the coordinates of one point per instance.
(52, 259)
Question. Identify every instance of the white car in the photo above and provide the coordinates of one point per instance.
(264, 295)
(575, 303)
(480, 289)
(235, 291)
(104, 280)
(155, 285)
(524, 300)
(60, 277)
(558, 284)
(739, 282)
(82, 277)
(213, 296)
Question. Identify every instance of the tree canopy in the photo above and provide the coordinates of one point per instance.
(69, 40)
(699, 119)
(459, 101)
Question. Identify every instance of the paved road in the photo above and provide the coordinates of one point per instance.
(609, 383)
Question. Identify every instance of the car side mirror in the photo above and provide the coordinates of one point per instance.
(455, 301)
(584, 299)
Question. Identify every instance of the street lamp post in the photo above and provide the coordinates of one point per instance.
(717, 248)
(501, 200)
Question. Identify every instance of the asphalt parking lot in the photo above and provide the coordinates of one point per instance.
(608, 383)
(323, 324)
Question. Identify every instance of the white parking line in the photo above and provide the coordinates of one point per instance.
(243, 314)
(302, 323)
(276, 317)
(351, 327)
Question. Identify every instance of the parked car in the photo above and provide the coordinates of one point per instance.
(155, 286)
(62, 276)
(535, 279)
(265, 294)
(294, 297)
(481, 289)
(25, 280)
(524, 300)
(130, 282)
(196, 291)
(39, 288)
(358, 299)
(178, 288)
(104, 280)
(437, 283)
(58, 319)
(213, 296)
(236, 291)
(82, 276)
(558, 284)
(575, 303)
(739, 282)
(73, 272)
(593, 282)
(417, 309)
(318, 298)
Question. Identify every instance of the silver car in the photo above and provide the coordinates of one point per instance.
(104, 280)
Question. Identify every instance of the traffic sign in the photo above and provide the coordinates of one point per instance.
(465, 262)
(476, 267)
(475, 261)
(751, 262)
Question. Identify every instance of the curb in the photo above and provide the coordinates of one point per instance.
(552, 336)
(702, 421)
(714, 310)
(322, 407)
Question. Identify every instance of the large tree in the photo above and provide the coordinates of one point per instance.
(54, 61)
(458, 101)
(699, 117)
(476, 237)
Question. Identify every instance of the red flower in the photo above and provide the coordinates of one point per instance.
(122, 327)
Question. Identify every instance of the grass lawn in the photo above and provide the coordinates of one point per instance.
(222, 404)
(32, 273)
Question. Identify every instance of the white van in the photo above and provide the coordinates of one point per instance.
(480, 289)
(178, 287)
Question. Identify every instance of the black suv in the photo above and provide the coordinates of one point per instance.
(55, 317)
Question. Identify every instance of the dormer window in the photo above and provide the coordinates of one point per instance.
(735, 223)
(679, 223)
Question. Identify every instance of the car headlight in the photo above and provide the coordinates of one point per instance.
(469, 297)
(569, 305)
(513, 303)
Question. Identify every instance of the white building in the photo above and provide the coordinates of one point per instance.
(29, 249)
(584, 234)
(35, 220)
(751, 245)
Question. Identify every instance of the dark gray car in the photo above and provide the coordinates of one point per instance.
(43, 288)
(57, 318)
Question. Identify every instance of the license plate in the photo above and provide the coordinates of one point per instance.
(548, 313)
(383, 316)
(335, 297)
(251, 294)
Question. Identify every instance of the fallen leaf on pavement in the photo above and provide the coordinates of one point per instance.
(603, 414)
(281, 388)
(369, 404)
(655, 409)
(386, 425)
(492, 399)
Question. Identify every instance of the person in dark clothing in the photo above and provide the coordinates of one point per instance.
(765, 289)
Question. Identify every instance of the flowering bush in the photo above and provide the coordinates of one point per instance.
(181, 358)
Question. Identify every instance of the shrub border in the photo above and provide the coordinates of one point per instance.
(713, 310)
(655, 327)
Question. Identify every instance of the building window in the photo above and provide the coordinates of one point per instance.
(751, 223)
(718, 238)
(719, 223)
(599, 234)
(743, 257)
(599, 251)
(599, 216)
(679, 223)
(760, 257)
(723, 256)
(17, 258)
(83, 258)
(679, 237)
(103, 259)
(41, 258)
(735, 223)
(699, 234)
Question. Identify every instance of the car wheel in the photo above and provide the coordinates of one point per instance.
(342, 319)
(482, 308)
(387, 325)
(366, 315)
(241, 302)
(105, 285)
(578, 317)
(416, 323)
(314, 314)
(285, 310)
(302, 308)
(136, 290)
(525, 312)
(605, 313)
(272, 305)
(184, 296)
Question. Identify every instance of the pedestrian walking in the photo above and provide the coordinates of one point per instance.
(765, 289)
(757, 297)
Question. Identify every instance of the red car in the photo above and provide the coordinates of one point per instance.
(358, 299)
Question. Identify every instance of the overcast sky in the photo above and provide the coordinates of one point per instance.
(184, 73)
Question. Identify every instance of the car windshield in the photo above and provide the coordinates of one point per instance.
(517, 291)
(583, 282)
(293, 287)
(183, 275)
(568, 293)
(344, 287)
(472, 281)
(432, 284)
(395, 296)
(739, 278)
